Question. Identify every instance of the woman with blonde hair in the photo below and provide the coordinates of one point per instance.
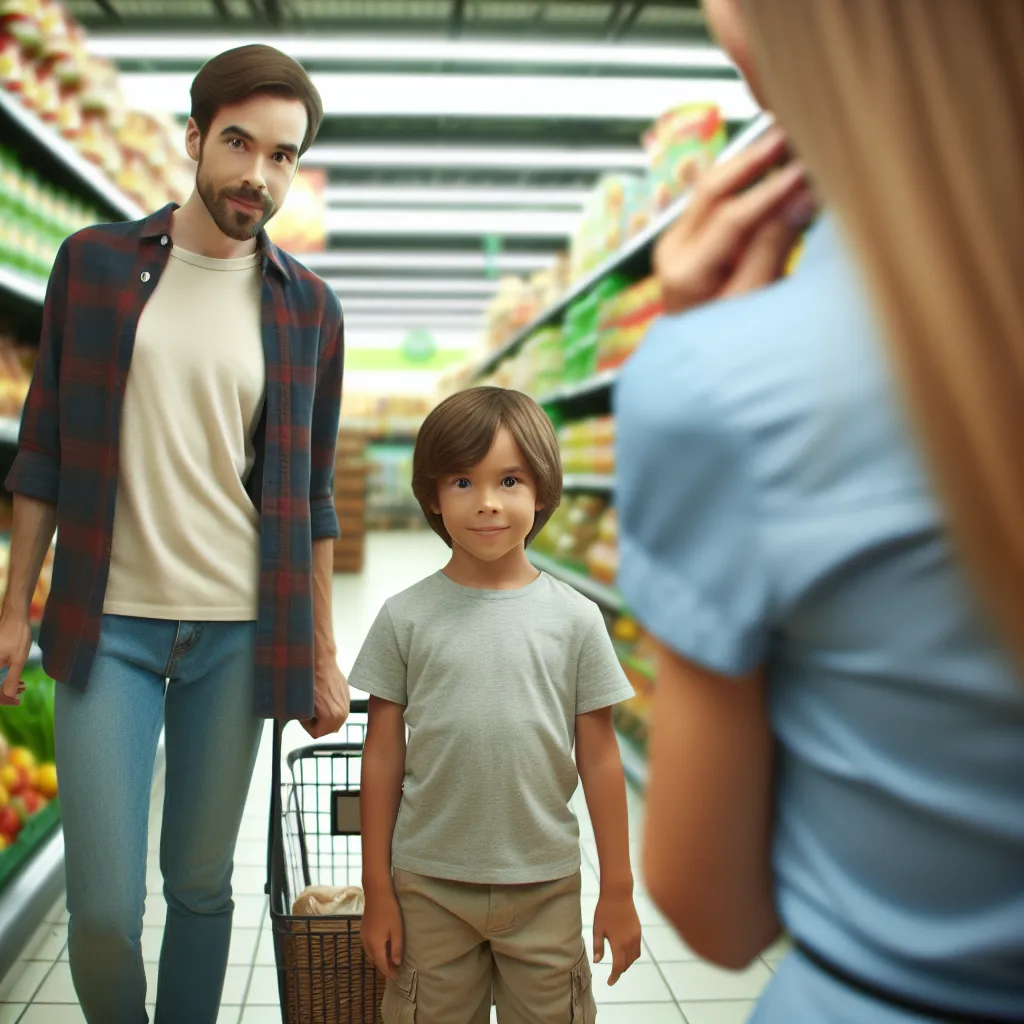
(822, 505)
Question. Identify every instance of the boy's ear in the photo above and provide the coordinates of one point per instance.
(540, 506)
(435, 508)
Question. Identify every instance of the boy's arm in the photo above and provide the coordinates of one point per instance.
(383, 772)
(380, 793)
(604, 786)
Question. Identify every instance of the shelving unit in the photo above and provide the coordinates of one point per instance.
(633, 256)
(30, 893)
(607, 597)
(92, 181)
(598, 482)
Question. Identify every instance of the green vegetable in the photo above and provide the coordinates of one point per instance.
(30, 724)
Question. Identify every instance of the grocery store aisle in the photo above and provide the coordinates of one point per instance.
(667, 986)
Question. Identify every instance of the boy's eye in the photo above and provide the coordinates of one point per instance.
(510, 481)
(462, 483)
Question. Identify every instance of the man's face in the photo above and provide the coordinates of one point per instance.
(489, 510)
(247, 161)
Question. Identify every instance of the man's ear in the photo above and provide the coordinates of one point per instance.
(193, 139)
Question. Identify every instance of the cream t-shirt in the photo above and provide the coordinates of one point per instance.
(186, 535)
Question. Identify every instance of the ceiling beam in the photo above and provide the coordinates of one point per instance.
(457, 17)
(622, 20)
(272, 8)
(221, 8)
(108, 9)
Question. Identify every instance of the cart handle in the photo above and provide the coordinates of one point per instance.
(356, 707)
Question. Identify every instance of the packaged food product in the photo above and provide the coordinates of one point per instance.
(681, 144)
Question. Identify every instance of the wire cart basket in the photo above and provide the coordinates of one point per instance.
(324, 977)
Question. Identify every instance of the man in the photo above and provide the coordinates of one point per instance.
(193, 496)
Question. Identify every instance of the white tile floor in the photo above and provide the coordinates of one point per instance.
(668, 985)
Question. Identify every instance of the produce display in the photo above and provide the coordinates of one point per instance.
(635, 650)
(623, 322)
(384, 415)
(588, 446)
(28, 778)
(680, 145)
(44, 62)
(35, 218)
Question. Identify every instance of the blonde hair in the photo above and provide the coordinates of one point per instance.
(910, 117)
(459, 433)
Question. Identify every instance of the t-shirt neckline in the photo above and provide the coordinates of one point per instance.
(484, 594)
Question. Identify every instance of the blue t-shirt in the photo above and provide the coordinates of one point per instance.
(775, 512)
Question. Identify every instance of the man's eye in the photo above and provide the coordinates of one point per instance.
(282, 158)
(234, 143)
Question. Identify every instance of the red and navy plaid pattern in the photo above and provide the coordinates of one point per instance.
(70, 441)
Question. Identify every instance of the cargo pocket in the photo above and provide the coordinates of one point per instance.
(399, 1006)
(584, 1009)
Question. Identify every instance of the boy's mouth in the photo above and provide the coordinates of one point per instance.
(487, 530)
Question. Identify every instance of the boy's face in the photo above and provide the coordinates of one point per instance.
(489, 510)
(247, 161)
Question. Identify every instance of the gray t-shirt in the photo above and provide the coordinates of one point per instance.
(491, 682)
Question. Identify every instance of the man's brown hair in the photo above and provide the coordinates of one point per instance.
(459, 433)
(235, 75)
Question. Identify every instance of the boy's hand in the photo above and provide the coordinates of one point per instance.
(616, 920)
(383, 933)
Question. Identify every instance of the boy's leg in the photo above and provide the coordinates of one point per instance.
(212, 737)
(106, 742)
(445, 977)
(542, 973)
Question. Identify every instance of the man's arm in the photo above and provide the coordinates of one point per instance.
(604, 785)
(331, 698)
(324, 425)
(32, 532)
(383, 772)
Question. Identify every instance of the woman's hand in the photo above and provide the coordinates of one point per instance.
(735, 236)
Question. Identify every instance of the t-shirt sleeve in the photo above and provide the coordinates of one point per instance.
(600, 681)
(692, 564)
(380, 669)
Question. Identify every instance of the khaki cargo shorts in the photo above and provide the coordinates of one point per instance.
(466, 945)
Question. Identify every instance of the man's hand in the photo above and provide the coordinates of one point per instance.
(616, 920)
(383, 933)
(331, 700)
(736, 236)
(15, 644)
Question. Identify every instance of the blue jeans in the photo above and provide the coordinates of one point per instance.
(195, 679)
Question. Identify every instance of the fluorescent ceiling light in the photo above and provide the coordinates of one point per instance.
(370, 195)
(405, 306)
(436, 223)
(202, 48)
(465, 158)
(479, 96)
(424, 261)
(412, 286)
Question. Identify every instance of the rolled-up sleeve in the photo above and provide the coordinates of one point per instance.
(326, 418)
(692, 566)
(35, 472)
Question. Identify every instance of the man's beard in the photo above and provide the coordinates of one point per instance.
(233, 222)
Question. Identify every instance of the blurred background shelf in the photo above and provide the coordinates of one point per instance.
(607, 597)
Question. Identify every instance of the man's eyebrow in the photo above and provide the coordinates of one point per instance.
(234, 129)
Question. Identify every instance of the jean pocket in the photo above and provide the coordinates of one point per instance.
(584, 1009)
(399, 1006)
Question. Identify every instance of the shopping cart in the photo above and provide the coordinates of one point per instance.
(323, 974)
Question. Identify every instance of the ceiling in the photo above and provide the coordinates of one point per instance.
(454, 100)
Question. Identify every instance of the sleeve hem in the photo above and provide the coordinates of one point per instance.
(606, 700)
(323, 519)
(667, 605)
(376, 689)
(34, 475)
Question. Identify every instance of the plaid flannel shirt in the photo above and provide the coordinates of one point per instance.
(70, 439)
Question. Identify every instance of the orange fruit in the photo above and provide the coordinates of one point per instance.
(46, 780)
(22, 757)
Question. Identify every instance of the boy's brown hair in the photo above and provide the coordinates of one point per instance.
(235, 75)
(459, 433)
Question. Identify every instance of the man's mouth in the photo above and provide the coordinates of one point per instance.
(247, 205)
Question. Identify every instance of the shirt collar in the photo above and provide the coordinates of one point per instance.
(159, 223)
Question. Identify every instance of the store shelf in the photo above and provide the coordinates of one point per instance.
(24, 288)
(634, 765)
(94, 182)
(607, 596)
(601, 482)
(640, 245)
(580, 389)
(9, 429)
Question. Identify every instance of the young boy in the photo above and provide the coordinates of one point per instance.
(471, 854)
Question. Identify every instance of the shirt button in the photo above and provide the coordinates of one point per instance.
(164, 240)
(145, 276)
